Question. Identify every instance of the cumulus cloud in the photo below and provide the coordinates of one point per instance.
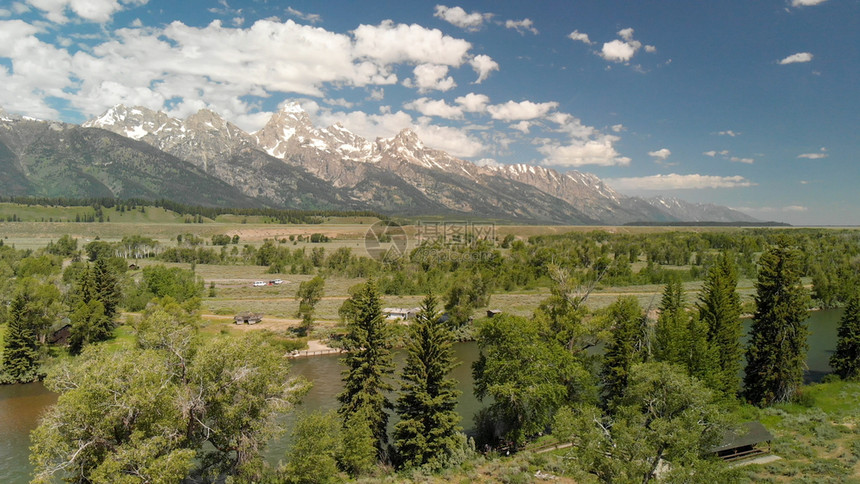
(599, 151)
(458, 17)
(806, 3)
(729, 133)
(5, 12)
(796, 58)
(89, 10)
(617, 128)
(182, 67)
(435, 107)
(674, 181)
(488, 162)
(714, 153)
(524, 110)
(580, 37)
(483, 66)
(622, 50)
(455, 141)
(736, 159)
(523, 126)
(388, 43)
(473, 103)
(815, 156)
(430, 77)
(661, 154)
(307, 17)
(522, 26)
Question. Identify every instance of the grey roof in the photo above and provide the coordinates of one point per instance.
(750, 433)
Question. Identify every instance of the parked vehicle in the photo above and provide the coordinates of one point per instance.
(259, 283)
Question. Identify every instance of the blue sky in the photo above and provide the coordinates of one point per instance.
(749, 104)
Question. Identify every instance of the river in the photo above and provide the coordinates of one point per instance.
(21, 405)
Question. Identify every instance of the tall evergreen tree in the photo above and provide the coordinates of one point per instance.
(720, 310)
(621, 353)
(671, 336)
(106, 287)
(20, 348)
(368, 363)
(427, 431)
(846, 360)
(776, 353)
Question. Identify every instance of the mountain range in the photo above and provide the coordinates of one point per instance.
(290, 163)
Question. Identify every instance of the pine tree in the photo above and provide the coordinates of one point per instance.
(106, 287)
(846, 360)
(427, 431)
(671, 336)
(720, 310)
(368, 362)
(21, 348)
(621, 353)
(776, 353)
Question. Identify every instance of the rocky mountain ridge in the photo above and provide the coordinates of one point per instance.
(291, 163)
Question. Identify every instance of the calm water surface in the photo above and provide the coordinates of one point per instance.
(21, 405)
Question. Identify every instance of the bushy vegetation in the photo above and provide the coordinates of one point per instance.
(626, 387)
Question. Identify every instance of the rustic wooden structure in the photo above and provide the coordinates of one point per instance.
(744, 442)
(248, 318)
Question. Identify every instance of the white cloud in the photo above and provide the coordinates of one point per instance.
(435, 107)
(523, 126)
(729, 133)
(714, 153)
(598, 151)
(5, 12)
(221, 67)
(377, 94)
(661, 154)
(89, 10)
(580, 37)
(674, 181)
(617, 128)
(307, 17)
(813, 156)
(455, 141)
(488, 162)
(623, 49)
(430, 77)
(338, 102)
(460, 18)
(516, 111)
(795, 58)
(522, 26)
(735, 159)
(388, 43)
(483, 66)
(806, 3)
(473, 103)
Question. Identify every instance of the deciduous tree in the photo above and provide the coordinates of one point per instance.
(310, 292)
